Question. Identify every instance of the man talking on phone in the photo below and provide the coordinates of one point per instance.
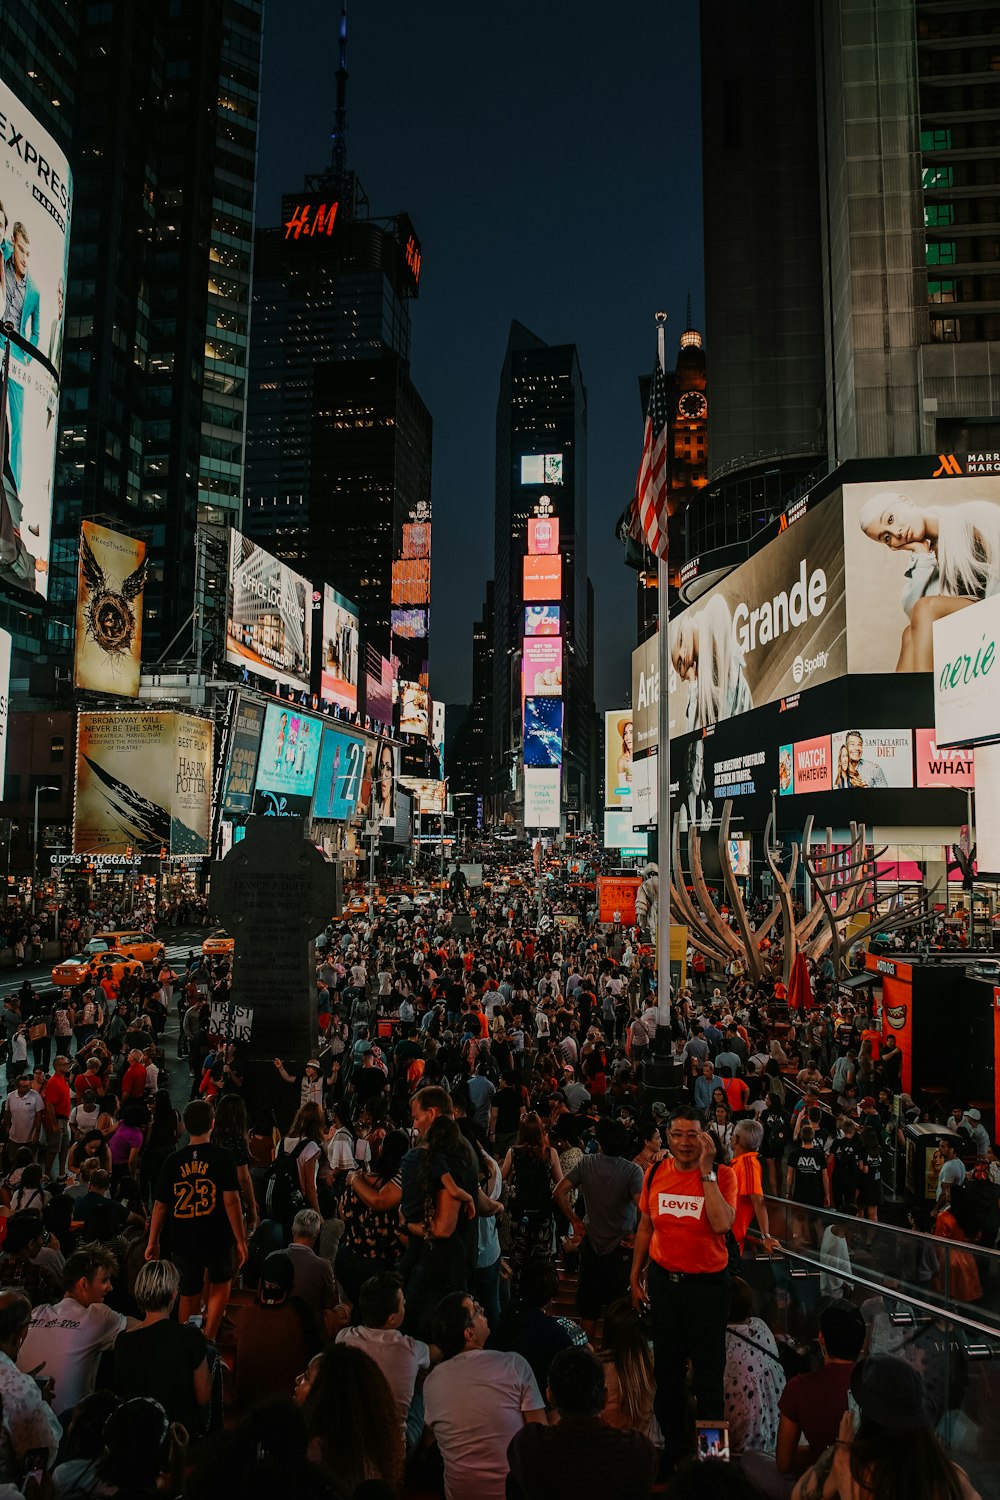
(687, 1207)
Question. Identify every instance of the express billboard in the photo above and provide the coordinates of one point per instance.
(339, 775)
(773, 626)
(143, 782)
(340, 645)
(35, 232)
(267, 625)
(109, 593)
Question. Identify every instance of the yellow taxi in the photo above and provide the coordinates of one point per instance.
(131, 943)
(217, 944)
(72, 973)
(357, 906)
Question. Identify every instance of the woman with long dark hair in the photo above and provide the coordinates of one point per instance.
(161, 1139)
(628, 1371)
(369, 1208)
(531, 1167)
(353, 1421)
(232, 1129)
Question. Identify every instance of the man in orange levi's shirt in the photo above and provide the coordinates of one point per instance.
(687, 1207)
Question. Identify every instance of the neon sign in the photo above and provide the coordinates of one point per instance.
(310, 219)
(412, 253)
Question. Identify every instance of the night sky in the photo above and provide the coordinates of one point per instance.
(549, 157)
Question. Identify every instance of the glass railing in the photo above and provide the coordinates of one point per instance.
(899, 1279)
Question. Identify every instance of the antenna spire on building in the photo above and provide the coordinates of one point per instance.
(340, 129)
(688, 323)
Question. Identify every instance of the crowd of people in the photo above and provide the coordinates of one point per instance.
(469, 1248)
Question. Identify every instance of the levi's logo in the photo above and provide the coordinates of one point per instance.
(681, 1207)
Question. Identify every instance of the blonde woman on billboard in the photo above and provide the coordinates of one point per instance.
(955, 562)
(705, 656)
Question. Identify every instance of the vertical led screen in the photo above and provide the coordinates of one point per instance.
(618, 758)
(543, 729)
(36, 197)
(378, 685)
(414, 709)
(543, 536)
(541, 668)
(645, 708)
(267, 625)
(339, 650)
(542, 805)
(5, 650)
(340, 775)
(109, 589)
(542, 578)
(541, 619)
(143, 782)
(241, 772)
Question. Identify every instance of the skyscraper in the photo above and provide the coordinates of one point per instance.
(163, 144)
(541, 474)
(339, 448)
(850, 257)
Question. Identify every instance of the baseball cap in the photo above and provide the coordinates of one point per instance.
(890, 1392)
(868, 1102)
(973, 1114)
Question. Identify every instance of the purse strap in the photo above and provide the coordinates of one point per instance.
(753, 1344)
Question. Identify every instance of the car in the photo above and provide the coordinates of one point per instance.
(357, 906)
(73, 973)
(400, 906)
(423, 898)
(217, 943)
(132, 944)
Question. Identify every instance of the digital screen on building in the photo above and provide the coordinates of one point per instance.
(618, 758)
(851, 760)
(619, 834)
(543, 536)
(739, 857)
(416, 540)
(37, 207)
(410, 624)
(937, 766)
(289, 756)
(339, 650)
(542, 804)
(542, 578)
(414, 709)
(267, 625)
(411, 582)
(541, 667)
(541, 468)
(542, 619)
(543, 729)
(244, 747)
(430, 794)
(378, 686)
(339, 775)
(109, 611)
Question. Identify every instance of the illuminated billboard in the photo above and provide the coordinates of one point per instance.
(618, 758)
(542, 806)
(339, 775)
(339, 650)
(414, 709)
(378, 686)
(109, 590)
(850, 760)
(409, 624)
(143, 783)
(941, 766)
(542, 578)
(411, 582)
(916, 551)
(645, 733)
(437, 732)
(416, 539)
(430, 795)
(382, 771)
(241, 768)
(619, 834)
(286, 767)
(541, 619)
(543, 536)
(267, 627)
(543, 728)
(775, 625)
(36, 209)
(806, 766)
(541, 468)
(6, 644)
(541, 667)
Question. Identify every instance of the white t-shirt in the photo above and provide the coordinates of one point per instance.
(22, 1114)
(66, 1340)
(399, 1358)
(474, 1404)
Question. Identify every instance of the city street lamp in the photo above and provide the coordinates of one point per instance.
(34, 847)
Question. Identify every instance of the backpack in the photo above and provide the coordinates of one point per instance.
(284, 1196)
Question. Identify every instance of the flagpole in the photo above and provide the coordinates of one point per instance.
(663, 841)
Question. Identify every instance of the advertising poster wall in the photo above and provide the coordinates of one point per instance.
(775, 625)
(339, 776)
(340, 649)
(541, 468)
(617, 758)
(541, 668)
(967, 675)
(876, 758)
(543, 536)
(289, 756)
(542, 619)
(806, 766)
(109, 592)
(429, 794)
(940, 766)
(143, 782)
(616, 898)
(414, 709)
(36, 191)
(542, 578)
(5, 650)
(267, 625)
(542, 802)
(916, 551)
(543, 725)
(241, 772)
(385, 775)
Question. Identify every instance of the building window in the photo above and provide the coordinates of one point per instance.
(941, 291)
(935, 140)
(938, 213)
(57, 749)
(941, 253)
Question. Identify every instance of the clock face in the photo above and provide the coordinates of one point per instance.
(692, 406)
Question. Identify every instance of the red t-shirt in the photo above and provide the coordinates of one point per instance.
(56, 1093)
(683, 1239)
(748, 1180)
(815, 1403)
(134, 1081)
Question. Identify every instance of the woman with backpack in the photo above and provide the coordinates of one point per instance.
(531, 1169)
(294, 1175)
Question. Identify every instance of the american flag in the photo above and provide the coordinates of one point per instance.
(651, 486)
